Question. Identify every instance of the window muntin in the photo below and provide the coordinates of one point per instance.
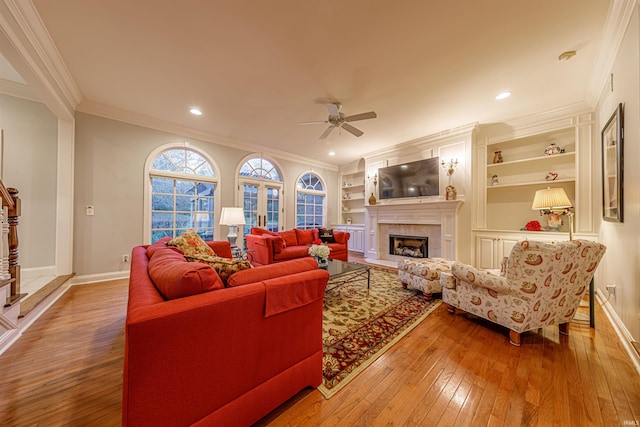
(260, 168)
(179, 203)
(310, 202)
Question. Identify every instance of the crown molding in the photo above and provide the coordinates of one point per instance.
(26, 43)
(18, 90)
(125, 116)
(618, 18)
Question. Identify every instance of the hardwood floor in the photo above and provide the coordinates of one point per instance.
(66, 370)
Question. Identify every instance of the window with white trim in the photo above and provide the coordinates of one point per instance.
(310, 201)
(183, 186)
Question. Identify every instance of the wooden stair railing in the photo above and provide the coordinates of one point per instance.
(9, 265)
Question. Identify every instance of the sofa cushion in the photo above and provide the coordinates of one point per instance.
(175, 277)
(289, 236)
(305, 237)
(225, 267)
(190, 243)
(327, 236)
(160, 244)
(271, 271)
(291, 252)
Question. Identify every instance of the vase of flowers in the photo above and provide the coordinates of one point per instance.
(320, 253)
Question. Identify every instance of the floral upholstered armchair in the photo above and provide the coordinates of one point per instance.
(542, 284)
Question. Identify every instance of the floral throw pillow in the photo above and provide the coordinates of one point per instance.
(225, 267)
(190, 243)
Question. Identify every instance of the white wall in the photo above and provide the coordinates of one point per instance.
(621, 265)
(29, 163)
(109, 175)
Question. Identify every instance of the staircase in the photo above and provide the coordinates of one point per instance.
(10, 295)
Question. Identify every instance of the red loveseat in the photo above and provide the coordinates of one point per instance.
(223, 357)
(268, 247)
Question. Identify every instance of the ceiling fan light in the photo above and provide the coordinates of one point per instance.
(195, 111)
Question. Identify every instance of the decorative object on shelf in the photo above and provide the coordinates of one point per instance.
(349, 221)
(451, 192)
(372, 199)
(232, 217)
(497, 157)
(320, 253)
(553, 149)
(533, 226)
(554, 202)
(346, 196)
(612, 167)
(551, 176)
(345, 209)
(494, 180)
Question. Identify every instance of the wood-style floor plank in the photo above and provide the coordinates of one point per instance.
(451, 370)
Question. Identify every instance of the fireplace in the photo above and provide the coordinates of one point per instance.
(409, 246)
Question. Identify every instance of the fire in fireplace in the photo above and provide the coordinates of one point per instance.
(409, 246)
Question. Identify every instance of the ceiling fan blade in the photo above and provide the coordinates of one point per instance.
(349, 128)
(326, 133)
(334, 109)
(361, 116)
(316, 122)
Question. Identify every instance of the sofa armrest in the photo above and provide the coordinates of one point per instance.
(222, 248)
(272, 271)
(261, 248)
(489, 279)
(341, 237)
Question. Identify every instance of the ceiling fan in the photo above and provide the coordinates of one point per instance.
(337, 119)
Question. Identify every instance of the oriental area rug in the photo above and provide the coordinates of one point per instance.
(357, 327)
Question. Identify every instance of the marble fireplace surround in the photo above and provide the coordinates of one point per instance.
(435, 219)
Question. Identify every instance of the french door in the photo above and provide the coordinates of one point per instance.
(262, 202)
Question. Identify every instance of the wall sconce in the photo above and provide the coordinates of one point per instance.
(450, 168)
(373, 178)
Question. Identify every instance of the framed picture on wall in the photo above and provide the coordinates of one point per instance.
(612, 167)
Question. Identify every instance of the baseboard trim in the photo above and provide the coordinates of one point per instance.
(101, 277)
(621, 330)
(28, 273)
(8, 338)
(42, 307)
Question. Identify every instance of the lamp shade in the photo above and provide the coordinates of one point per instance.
(232, 216)
(551, 198)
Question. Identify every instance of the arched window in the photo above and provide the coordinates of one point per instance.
(260, 185)
(310, 201)
(183, 193)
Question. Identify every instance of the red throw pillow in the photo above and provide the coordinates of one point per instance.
(290, 238)
(175, 277)
(305, 237)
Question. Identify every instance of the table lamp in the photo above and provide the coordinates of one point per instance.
(554, 202)
(232, 217)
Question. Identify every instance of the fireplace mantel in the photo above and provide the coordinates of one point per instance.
(420, 212)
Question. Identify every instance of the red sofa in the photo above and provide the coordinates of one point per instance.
(268, 247)
(223, 357)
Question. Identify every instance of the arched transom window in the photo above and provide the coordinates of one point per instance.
(260, 168)
(310, 201)
(183, 188)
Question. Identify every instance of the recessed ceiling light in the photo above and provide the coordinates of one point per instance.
(195, 111)
(503, 95)
(331, 153)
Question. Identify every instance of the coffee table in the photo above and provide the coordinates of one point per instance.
(341, 272)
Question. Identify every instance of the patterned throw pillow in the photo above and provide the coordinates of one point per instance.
(190, 243)
(225, 267)
(327, 236)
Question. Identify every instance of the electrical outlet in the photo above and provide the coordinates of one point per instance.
(611, 289)
(125, 258)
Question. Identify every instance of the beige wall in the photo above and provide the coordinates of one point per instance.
(109, 175)
(621, 264)
(29, 163)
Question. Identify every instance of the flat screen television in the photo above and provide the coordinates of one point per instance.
(413, 179)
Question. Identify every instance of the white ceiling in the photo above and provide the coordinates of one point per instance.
(257, 68)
